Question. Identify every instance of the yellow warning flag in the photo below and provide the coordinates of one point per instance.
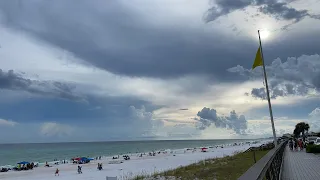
(258, 60)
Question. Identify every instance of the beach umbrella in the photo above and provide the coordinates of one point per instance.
(204, 149)
(85, 160)
(23, 162)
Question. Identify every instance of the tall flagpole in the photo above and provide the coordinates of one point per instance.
(268, 94)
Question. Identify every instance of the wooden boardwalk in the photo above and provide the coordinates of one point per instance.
(299, 165)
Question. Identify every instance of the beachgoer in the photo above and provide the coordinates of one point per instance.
(100, 166)
(291, 144)
(57, 172)
(300, 144)
(295, 144)
(79, 169)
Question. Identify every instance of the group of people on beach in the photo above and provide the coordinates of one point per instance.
(294, 144)
(79, 169)
(28, 166)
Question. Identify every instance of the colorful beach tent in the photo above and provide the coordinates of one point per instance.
(83, 159)
(23, 162)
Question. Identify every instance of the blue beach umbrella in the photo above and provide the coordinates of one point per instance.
(23, 162)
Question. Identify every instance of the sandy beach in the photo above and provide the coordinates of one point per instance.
(128, 169)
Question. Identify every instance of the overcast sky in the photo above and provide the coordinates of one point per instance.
(96, 70)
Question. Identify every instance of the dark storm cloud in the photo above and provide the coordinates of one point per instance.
(295, 76)
(233, 121)
(108, 35)
(274, 8)
(114, 110)
(13, 81)
(111, 36)
(280, 90)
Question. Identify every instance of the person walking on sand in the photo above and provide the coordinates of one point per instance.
(79, 170)
(99, 166)
(57, 172)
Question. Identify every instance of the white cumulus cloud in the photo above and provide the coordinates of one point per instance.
(313, 119)
(4, 122)
(55, 129)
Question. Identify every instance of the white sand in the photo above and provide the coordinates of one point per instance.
(135, 166)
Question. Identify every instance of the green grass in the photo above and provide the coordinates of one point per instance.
(227, 168)
(311, 148)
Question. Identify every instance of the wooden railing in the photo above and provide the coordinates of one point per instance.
(268, 167)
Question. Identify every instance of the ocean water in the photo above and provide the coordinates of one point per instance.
(10, 154)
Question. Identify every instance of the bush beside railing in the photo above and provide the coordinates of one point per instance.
(312, 148)
(261, 147)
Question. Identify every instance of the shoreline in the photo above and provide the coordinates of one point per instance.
(132, 167)
(130, 153)
(142, 140)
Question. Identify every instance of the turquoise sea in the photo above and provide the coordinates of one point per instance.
(10, 154)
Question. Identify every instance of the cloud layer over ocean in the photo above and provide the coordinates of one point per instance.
(162, 69)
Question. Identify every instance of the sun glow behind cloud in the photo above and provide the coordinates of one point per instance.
(264, 34)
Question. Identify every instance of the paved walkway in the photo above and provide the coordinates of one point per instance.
(299, 165)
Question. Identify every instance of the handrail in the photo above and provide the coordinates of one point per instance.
(268, 167)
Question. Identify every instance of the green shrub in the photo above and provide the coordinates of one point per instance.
(311, 142)
(311, 148)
